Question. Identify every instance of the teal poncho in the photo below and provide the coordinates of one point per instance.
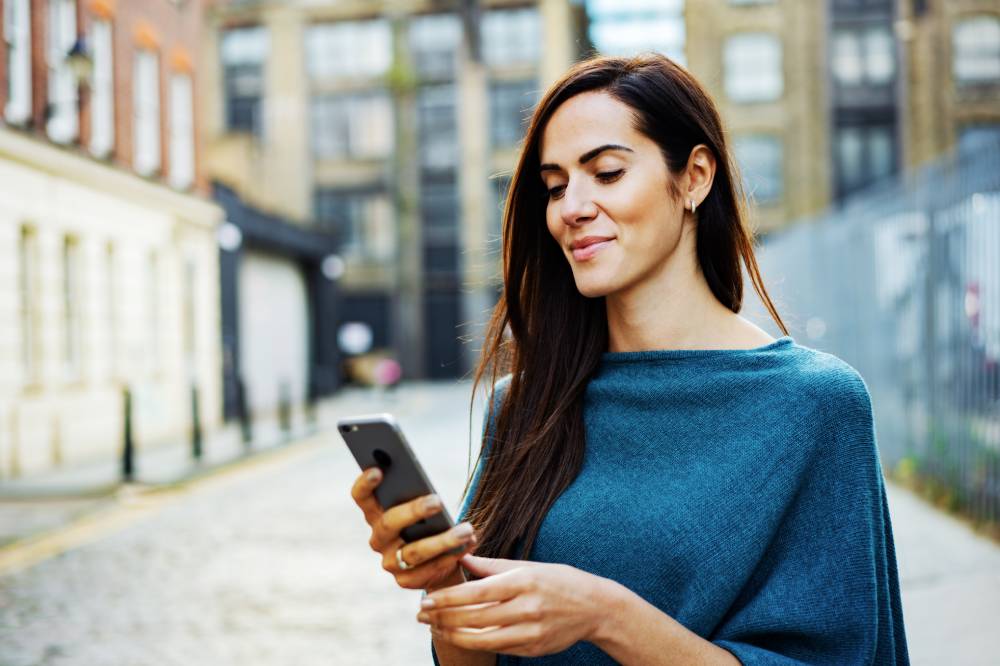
(740, 492)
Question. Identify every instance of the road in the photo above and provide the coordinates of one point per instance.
(268, 563)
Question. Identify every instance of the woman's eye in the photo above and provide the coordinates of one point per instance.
(557, 191)
(610, 176)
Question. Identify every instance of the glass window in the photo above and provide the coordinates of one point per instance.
(63, 123)
(146, 113)
(181, 132)
(511, 103)
(751, 2)
(102, 109)
(761, 161)
(355, 126)
(437, 128)
(865, 154)
(153, 305)
(350, 49)
(434, 41)
(71, 306)
(17, 42)
(863, 56)
(28, 284)
(976, 45)
(244, 52)
(511, 36)
(362, 219)
(974, 138)
(753, 67)
(631, 33)
(439, 211)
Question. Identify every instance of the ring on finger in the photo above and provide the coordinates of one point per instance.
(401, 562)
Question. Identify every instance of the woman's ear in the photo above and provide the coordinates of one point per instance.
(700, 174)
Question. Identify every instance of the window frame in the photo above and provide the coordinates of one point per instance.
(735, 75)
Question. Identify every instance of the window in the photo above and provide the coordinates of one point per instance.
(627, 34)
(355, 126)
(511, 36)
(111, 307)
(63, 120)
(28, 288)
(436, 127)
(349, 49)
(244, 51)
(975, 138)
(510, 107)
(146, 113)
(362, 219)
(863, 57)
(181, 132)
(17, 43)
(751, 2)
(434, 40)
(976, 44)
(753, 67)
(865, 154)
(761, 161)
(153, 306)
(71, 306)
(102, 109)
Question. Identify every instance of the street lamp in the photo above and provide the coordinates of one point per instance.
(80, 62)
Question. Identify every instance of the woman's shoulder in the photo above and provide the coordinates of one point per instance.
(829, 380)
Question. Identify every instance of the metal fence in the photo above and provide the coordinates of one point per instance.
(903, 283)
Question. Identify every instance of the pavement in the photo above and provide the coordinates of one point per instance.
(261, 558)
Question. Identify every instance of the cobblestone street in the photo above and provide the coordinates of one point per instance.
(268, 563)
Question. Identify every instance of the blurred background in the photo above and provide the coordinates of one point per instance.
(221, 220)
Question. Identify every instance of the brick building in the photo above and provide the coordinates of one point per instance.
(107, 242)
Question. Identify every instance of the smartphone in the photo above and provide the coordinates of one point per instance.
(376, 440)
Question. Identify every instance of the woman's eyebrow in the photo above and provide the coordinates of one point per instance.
(589, 155)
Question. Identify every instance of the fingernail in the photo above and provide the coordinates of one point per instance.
(424, 617)
(427, 602)
(372, 474)
(463, 530)
(432, 502)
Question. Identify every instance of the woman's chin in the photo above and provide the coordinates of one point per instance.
(594, 288)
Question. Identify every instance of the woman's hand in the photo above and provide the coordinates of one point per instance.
(527, 609)
(429, 563)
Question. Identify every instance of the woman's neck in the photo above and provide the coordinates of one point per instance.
(673, 308)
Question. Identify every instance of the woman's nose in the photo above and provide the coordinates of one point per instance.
(577, 205)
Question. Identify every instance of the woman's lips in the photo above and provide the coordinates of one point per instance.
(585, 253)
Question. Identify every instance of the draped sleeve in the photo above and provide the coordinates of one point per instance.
(826, 590)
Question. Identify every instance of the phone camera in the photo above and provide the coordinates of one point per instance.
(381, 458)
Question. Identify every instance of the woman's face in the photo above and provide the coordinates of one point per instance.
(609, 205)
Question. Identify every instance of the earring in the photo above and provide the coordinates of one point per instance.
(691, 205)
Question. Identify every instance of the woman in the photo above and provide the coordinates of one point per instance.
(661, 482)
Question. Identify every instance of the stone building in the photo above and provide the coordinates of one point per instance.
(390, 125)
(108, 258)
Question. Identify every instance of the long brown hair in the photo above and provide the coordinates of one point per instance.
(557, 336)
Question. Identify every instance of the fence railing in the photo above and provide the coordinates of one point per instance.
(903, 282)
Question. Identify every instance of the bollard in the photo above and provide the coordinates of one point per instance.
(285, 409)
(243, 410)
(128, 447)
(195, 424)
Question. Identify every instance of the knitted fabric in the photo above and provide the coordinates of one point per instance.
(741, 493)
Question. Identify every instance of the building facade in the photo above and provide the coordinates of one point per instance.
(390, 125)
(825, 99)
(107, 240)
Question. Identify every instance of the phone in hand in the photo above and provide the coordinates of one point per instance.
(376, 440)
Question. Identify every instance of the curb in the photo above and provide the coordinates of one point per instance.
(129, 503)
